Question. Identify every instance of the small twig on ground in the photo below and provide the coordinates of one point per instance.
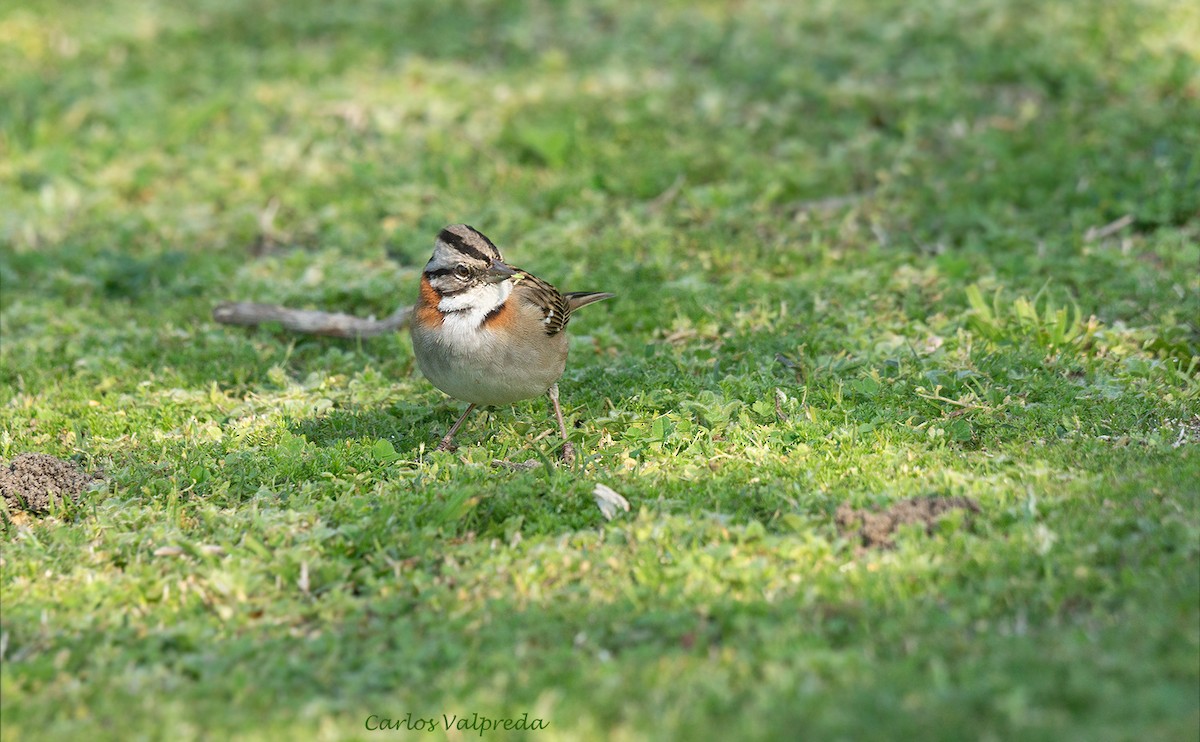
(667, 196)
(310, 321)
(923, 394)
(1099, 233)
(831, 203)
(515, 465)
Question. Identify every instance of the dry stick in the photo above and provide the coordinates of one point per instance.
(1099, 233)
(310, 321)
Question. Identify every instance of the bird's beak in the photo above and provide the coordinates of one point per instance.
(498, 272)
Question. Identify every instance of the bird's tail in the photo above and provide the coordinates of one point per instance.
(577, 299)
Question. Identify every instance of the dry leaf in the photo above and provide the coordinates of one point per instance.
(609, 501)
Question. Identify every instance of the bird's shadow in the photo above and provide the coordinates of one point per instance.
(405, 426)
(412, 429)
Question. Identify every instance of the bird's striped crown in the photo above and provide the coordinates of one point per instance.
(461, 257)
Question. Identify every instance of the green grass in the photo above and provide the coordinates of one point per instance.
(857, 256)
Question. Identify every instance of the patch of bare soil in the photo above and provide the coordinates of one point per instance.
(876, 527)
(32, 482)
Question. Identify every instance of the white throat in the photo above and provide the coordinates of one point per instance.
(465, 311)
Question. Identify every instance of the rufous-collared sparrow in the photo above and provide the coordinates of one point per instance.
(487, 333)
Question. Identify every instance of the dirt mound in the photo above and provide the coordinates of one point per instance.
(32, 482)
(877, 526)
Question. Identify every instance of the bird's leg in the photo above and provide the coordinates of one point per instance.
(447, 442)
(568, 449)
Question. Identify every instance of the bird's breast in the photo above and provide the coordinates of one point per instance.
(488, 365)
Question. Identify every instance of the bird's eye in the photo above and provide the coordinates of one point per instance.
(462, 272)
